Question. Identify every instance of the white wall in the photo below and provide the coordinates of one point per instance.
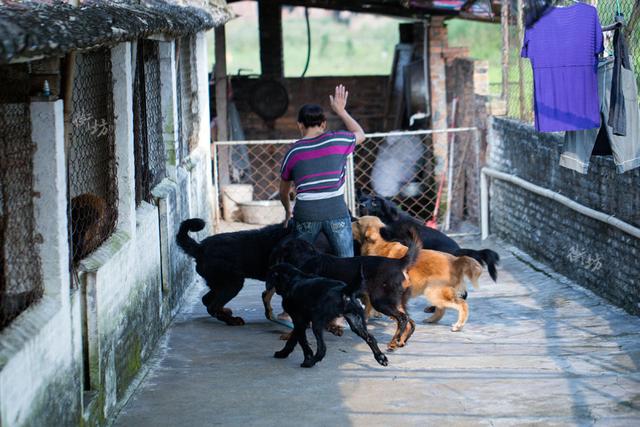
(130, 287)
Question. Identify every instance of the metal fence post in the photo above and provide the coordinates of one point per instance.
(216, 187)
(484, 205)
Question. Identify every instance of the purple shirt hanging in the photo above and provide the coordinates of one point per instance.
(563, 47)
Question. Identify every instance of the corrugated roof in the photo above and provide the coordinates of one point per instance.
(35, 29)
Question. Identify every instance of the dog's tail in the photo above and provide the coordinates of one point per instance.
(470, 268)
(484, 257)
(414, 243)
(186, 242)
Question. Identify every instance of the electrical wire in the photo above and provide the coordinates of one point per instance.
(306, 65)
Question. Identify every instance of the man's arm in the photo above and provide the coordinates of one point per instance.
(338, 105)
(285, 190)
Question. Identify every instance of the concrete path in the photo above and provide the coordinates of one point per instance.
(537, 350)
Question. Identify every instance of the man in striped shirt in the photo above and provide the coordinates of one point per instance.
(315, 167)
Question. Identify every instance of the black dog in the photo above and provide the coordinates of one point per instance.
(398, 224)
(316, 300)
(225, 260)
(384, 278)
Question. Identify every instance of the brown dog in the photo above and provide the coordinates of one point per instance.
(436, 275)
(89, 224)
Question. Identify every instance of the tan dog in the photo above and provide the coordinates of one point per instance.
(436, 275)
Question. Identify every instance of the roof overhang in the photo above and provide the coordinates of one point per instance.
(31, 30)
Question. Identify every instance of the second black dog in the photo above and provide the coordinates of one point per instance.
(317, 301)
(398, 224)
(385, 278)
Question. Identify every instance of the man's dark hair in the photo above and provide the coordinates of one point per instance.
(311, 115)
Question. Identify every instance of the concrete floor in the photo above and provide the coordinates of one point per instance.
(537, 350)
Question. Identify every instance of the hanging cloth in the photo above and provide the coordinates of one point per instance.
(617, 111)
(563, 47)
(579, 145)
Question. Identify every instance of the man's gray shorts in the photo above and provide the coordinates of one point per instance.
(578, 145)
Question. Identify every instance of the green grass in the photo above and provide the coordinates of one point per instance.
(484, 41)
(364, 46)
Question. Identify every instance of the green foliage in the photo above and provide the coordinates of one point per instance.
(360, 45)
(484, 41)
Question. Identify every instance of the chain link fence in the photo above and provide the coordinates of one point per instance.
(438, 185)
(631, 11)
(20, 273)
(187, 96)
(519, 89)
(149, 151)
(91, 154)
(435, 184)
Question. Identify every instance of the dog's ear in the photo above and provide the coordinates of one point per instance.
(355, 230)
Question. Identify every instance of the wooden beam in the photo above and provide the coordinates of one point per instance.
(271, 43)
(222, 123)
(520, 27)
(220, 73)
(364, 7)
(505, 49)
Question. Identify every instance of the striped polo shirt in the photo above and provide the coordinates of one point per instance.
(318, 168)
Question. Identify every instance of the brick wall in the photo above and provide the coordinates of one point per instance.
(366, 104)
(595, 255)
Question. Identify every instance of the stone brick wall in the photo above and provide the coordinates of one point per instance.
(597, 256)
(366, 103)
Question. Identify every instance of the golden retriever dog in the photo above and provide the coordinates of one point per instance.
(438, 276)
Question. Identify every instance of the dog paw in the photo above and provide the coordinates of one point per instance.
(235, 321)
(336, 330)
(227, 311)
(308, 363)
(280, 354)
(429, 321)
(382, 359)
(392, 346)
(456, 328)
(430, 309)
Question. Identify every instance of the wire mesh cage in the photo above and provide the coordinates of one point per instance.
(400, 168)
(91, 154)
(149, 150)
(20, 273)
(187, 96)
(248, 172)
(434, 184)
